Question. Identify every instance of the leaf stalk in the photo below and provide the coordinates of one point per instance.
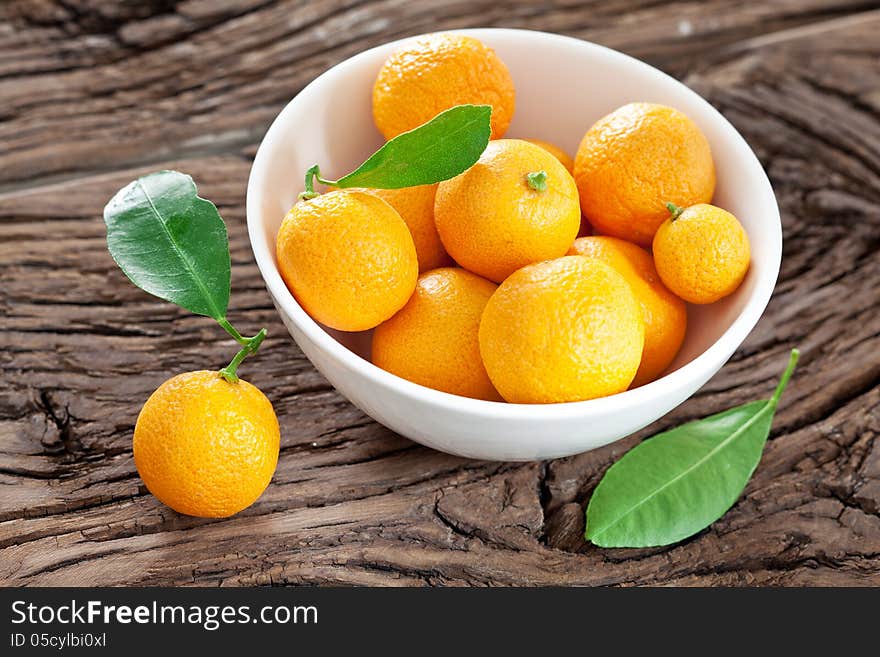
(792, 363)
(313, 174)
(249, 347)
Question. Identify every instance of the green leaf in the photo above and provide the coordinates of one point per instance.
(680, 481)
(438, 150)
(170, 242)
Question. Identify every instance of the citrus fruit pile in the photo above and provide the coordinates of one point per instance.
(480, 285)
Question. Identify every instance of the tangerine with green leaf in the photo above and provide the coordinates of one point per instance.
(348, 258)
(205, 443)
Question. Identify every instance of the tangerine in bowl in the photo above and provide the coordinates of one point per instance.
(563, 86)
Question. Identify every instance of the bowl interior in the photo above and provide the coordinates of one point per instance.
(563, 86)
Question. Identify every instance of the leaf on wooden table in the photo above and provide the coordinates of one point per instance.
(680, 481)
(170, 242)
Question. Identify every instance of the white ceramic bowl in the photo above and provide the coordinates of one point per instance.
(563, 85)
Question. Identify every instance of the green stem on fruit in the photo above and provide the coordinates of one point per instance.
(674, 209)
(313, 174)
(537, 180)
(249, 346)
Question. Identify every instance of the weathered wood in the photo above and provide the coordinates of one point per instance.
(94, 93)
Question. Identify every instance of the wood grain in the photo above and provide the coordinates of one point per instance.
(94, 93)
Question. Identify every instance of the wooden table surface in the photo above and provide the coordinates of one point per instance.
(94, 93)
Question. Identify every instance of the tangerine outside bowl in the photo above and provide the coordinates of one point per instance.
(563, 85)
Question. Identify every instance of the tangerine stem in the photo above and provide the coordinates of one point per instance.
(537, 180)
(313, 174)
(230, 372)
(674, 209)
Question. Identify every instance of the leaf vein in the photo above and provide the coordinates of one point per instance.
(186, 263)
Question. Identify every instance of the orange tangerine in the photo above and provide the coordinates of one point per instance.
(348, 258)
(634, 160)
(204, 446)
(415, 205)
(702, 253)
(517, 205)
(433, 339)
(665, 315)
(436, 72)
(562, 330)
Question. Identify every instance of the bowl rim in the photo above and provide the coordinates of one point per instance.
(703, 365)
